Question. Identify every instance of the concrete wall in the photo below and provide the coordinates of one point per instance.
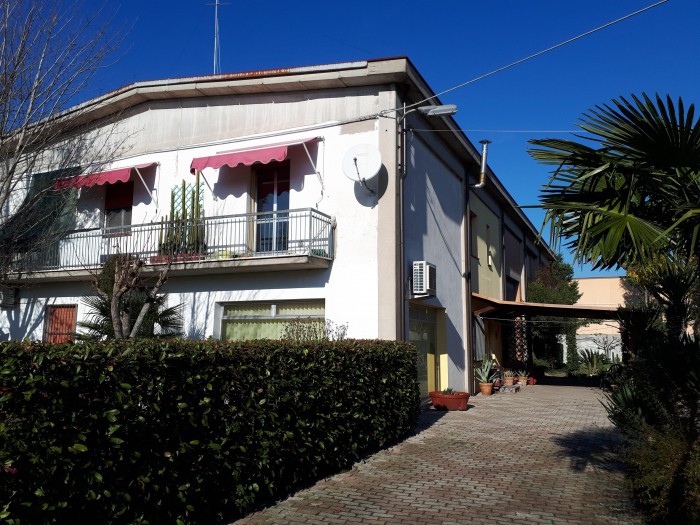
(604, 336)
(601, 291)
(433, 215)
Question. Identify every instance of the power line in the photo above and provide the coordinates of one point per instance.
(499, 130)
(530, 57)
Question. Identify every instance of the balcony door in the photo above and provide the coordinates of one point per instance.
(272, 205)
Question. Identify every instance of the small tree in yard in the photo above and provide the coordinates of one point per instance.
(554, 285)
(606, 345)
(128, 307)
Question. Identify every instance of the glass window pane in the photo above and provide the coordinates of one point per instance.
(246, 329)
(305, 309)
(248, 309)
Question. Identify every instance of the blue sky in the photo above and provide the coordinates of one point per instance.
(450, 42)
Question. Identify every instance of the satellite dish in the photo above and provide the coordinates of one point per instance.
(362, 163)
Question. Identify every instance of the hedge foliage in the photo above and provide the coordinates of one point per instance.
(185, 431)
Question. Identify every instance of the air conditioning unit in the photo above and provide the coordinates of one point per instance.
(8, 297)
(424, 278)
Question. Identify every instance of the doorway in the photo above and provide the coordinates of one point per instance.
(272, 207)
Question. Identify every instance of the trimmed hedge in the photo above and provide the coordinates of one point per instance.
(187, 431)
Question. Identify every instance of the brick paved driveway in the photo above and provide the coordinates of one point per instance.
(540, 456)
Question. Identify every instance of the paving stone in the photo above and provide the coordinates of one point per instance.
(546, 456)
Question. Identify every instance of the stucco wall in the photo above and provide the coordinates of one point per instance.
(433, 214)
(601, 291)
(166, 134)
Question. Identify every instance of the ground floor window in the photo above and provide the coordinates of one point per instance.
(265, 320)
(59, 323)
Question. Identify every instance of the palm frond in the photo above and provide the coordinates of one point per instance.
(636, 192)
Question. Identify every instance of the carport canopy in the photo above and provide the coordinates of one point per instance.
(495, 308)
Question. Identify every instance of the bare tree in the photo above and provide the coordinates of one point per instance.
(50, 51)
(606, 344)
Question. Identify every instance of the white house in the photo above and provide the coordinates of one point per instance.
(324, 191)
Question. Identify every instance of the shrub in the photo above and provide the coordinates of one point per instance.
(664, 475)
(591, 361)
(159, 431)
(657, 407)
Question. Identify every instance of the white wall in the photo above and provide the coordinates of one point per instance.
(26, 320)
(349, 287)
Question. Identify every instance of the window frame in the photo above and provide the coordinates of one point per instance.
(223, 317)
(47, 333)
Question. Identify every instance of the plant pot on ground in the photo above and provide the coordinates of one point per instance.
(522, 377)
(449, 399)
(485, 376)
(509, 377)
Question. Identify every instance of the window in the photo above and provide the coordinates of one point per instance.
(245, 321)
(119, 198)
(59, 323)
(512, 289)
(474, 232)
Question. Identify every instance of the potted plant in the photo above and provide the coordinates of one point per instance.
(449, 399)
(522, 377)
(485, 377)
(509, 377)
(182, 235)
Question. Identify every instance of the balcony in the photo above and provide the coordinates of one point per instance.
(253, 242)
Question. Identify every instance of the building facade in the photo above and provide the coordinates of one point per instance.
(276, 195)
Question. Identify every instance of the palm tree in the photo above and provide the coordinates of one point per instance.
(634, 191)
(100, 326)
(130, 307)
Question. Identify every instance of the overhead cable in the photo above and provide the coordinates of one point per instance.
(530, 57)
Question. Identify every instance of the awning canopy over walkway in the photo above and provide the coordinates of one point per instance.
(487, 307)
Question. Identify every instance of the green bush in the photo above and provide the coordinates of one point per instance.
(657, 407)
(664, 475)
(161, 431)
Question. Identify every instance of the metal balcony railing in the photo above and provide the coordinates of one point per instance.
(270, 234)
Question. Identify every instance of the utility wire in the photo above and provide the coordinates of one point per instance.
(517, 62)
(500, 130)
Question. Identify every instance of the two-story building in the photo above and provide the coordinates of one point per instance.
(341, 191)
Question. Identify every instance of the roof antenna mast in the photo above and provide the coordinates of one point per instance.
(217, 47)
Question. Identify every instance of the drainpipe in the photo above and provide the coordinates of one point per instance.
(466, 282)
(401, 291)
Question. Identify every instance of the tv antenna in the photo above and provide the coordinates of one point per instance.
(217, 46)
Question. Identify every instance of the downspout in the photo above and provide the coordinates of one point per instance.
(466, 282)
(401, 291)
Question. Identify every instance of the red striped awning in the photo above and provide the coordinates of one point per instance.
(103, 177)
(262, 154)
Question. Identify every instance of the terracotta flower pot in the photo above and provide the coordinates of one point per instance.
(522, 380)
(454, 401)
(510, 381)
(486, 388)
